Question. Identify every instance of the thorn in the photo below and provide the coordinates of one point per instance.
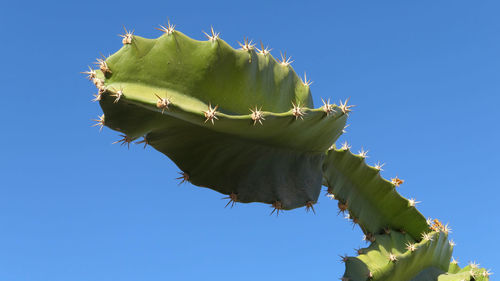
(392, 257)
(211, 113)
(118, 95)
(397, 181)
(342, 207)
(284, 60)
(452, 243)
(359, 251)
(411, 247)
(144, 141)
(327, 107)
(100, 122)
(297, 111)
(125, 140)
(306, 82)
(454, 261)
(169, 29)
(346, 108)
(184, 177)
(474, 264)
(257, 115)
(263, 51)
(329, 193)
(127, 37)
(487, 273)
(344, 258)
(103, 66)
(345, 146)
(345, 127)
(233, 198)
(379, 166)
(362, 153)
(277, 207)
(426, 236)
(91, 74)
(369, 237)
(370, 275)
(309, 206)
(387, 230)
(214, 35)
(412, 202)
(247, 45)
(429, 222)
(162, 103)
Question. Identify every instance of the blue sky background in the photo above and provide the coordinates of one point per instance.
(423, 74)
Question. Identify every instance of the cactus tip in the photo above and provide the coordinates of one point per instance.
(310, 206)
(412, 202)
(297, 111)
(277, 207)
(327, 107)
(397, 181)
(162, 103)
(363, 153)
(346, 108)
(345, 146)
(144, 141)
(263, 51)
(306, 82)
(379, 166)
(100, 122)
(247, 45)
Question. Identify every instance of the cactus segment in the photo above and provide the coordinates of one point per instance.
(371, 200)
(390, 257)
(199, 102)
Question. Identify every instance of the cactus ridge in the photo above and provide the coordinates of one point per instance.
(233, 120)
(371, 200)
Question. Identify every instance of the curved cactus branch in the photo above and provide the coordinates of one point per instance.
(232, 120)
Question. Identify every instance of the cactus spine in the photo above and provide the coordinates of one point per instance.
(242, 123)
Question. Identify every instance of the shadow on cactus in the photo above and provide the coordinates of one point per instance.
(242, 123)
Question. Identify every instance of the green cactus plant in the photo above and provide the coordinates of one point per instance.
(242, 123)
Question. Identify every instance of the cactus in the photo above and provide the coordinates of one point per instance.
(242, 123)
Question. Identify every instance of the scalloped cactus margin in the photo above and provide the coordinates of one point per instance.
(235, 121)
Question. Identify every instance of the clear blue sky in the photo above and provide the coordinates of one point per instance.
(423, 74)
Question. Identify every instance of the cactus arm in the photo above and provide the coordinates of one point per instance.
(208, 127)
(372, 201)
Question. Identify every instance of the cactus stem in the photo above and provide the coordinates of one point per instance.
(257, 115)
(263, 51)
(411, 247)
(310, 206)
(211, 113)
(297, 111)
(344, 279)
(124, 140)
(100, 122)
(233, 198)
(184, 177)
(127, 37)
(214, 35)
(379, 166)
(91, 74)
(344, 258)
(247, 45)
(169, 29)
(162, 103)
(103, 66)
(345, 146)
(412, 202)
(277, 207)
(144, 141)
(327, 107)
(363, 153)
(306, 82)
(284, 60)
(346, 108)
(397, 181)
